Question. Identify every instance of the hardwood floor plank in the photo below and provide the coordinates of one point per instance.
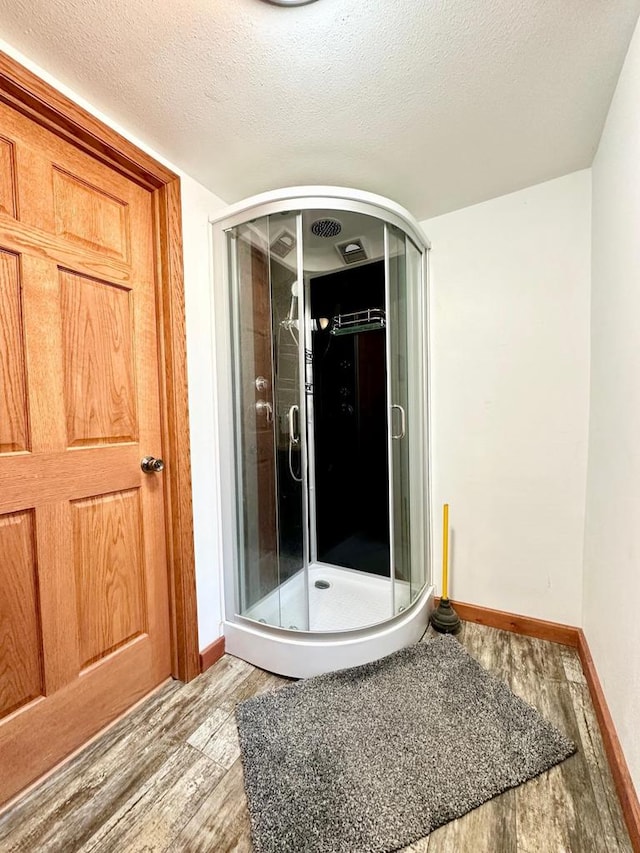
(155, 814)
(207, 730)
(559, 805)
(217, 735)
(614, 835)
(545, 816)
(572, 666)
(488, 829)
(531, 655)
(491, 648)
(219, 687)
(222, 821)
(223, 746)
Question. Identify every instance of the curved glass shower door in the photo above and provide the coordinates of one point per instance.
(407, 415)
(267, 302)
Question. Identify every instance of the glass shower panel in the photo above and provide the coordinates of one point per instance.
(399, 414)
(269, 554)
(287, 313)
(417, 431)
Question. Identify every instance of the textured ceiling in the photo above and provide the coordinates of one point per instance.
(434, 103)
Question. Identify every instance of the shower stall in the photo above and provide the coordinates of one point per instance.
(321, 330)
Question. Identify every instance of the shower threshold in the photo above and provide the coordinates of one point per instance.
(329, 644)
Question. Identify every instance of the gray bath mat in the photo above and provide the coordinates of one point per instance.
(370, 759)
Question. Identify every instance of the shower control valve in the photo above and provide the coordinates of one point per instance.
(266, 407)
(261, 383)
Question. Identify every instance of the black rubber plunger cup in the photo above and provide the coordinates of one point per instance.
(444, 618)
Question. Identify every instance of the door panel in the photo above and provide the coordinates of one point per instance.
(98, 361)
(43, 347)
(7, 178)
(56, 585)
(19, 614)
(90, 217)
(110, 589)
(84, 622)
(13, 402)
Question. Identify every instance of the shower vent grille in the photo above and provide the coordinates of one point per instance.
(326, 227)
(284, 243)
(353, 251)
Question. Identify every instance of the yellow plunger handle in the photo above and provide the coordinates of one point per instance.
(445, 551)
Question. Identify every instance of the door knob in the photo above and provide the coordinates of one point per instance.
(151, 465)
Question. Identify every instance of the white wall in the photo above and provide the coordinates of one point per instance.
(510, 369)
(612, 537)
(197, 205)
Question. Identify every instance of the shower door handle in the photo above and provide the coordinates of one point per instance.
(293, 411)
(403, 421)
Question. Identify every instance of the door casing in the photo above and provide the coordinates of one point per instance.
(44, 105)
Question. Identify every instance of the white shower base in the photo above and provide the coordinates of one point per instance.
(353, 600)
(350, 623)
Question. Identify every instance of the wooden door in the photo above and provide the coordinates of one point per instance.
(84, 620)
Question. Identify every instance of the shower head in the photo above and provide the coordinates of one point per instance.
(288, 321)
(326, 227)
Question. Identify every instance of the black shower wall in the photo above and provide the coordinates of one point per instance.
(350, 425)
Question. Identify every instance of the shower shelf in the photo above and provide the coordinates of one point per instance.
(358, 321)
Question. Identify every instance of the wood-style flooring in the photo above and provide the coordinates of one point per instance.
(168, 777)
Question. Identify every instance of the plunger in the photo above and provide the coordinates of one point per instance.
(444, 618)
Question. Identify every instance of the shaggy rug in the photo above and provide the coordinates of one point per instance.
(370, 759)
